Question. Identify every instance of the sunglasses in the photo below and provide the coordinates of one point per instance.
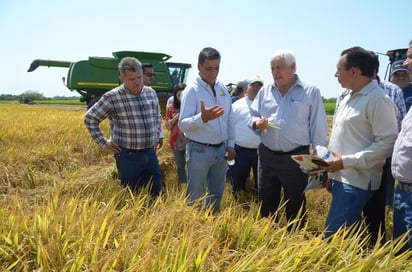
(150, 74)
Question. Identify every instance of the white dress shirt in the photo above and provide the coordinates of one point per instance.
(364, 131)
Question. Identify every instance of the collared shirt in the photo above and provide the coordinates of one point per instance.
(135, 120)
(190, 120)
(244, 136)
(393, 91)
(364, 131)
(402, 152)
(300, 114)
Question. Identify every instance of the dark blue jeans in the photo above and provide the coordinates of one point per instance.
(402, 216)
(138, 169)
(246, 159)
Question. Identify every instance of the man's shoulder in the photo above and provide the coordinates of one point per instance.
(408, 88)
(389, 86)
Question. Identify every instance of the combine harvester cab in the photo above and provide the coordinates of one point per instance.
(394, 55)
(93, 77)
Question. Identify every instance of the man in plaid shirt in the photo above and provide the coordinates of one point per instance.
(135, 127)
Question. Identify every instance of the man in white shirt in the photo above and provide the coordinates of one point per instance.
(246, 141)
(363, 133)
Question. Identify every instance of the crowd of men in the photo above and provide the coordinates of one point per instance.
(267, 124)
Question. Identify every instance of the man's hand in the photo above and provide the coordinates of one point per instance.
(231, 154)
(112, 147)
(159, 143)
(262, 124)
(335, 165)
(211, 113)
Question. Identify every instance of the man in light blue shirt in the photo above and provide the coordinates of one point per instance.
(288, 115)
(207, 121)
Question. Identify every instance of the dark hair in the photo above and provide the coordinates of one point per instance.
(208, 53)
(176, 89)
(360, 58)
(239, 87)
(146, 65)
(129, 64)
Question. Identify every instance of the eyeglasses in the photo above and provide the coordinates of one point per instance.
(150, 74)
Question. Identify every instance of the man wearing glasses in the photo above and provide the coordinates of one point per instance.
(148, 74)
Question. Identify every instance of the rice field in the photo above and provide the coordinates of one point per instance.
(62, 209)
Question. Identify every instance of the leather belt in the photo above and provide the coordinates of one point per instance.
(211, 145)
(136, 150)
(407, 187)
(291, 152)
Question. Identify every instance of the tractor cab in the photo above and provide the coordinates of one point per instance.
(394, 55)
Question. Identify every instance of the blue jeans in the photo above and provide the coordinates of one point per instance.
(346, 208)
(402, 216)
(180, 160)
(206, 165)
(138, 169)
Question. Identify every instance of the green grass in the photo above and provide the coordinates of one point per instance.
(329, 107)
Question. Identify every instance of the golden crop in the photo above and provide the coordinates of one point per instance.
(63, 209)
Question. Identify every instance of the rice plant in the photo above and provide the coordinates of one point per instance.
(62, 209)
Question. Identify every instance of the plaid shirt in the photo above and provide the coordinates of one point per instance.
(393, 91)
(135, 120)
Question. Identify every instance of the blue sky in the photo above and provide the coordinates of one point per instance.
(245, 32)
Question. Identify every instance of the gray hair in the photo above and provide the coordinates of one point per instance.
(129, 64)
(287, 55)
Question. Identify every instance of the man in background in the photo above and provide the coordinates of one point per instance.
(401, 77)
(246, 141)
(148, 74)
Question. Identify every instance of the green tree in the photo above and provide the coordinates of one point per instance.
(35, 95)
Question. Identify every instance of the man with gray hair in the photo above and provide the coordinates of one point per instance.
(288, 115)
(135, 128)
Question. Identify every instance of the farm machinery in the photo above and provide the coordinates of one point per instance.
(93, 77)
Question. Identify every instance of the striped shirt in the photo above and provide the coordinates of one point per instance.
(135, 120)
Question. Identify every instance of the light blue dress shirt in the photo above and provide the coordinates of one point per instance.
(300, 116)
(190, 121)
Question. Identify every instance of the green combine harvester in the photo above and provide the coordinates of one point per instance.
(93, 77)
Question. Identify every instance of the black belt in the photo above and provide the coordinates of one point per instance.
(405, 186)
(291, 152)
(211, 145)
(242, 147)
(136, 150)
